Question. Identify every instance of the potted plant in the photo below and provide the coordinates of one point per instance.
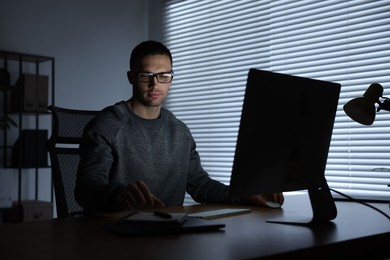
(6, 122)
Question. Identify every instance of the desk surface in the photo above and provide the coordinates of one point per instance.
(355, 230)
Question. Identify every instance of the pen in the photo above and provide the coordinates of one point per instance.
(131, 213)
(162, 214)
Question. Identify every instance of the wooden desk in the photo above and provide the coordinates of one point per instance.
(356, 230)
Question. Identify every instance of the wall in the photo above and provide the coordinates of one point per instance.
(91, 42)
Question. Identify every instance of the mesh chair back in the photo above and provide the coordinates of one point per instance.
(67, 129)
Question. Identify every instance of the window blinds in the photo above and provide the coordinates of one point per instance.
(214, 43)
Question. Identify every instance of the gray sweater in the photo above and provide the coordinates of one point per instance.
(119, 147)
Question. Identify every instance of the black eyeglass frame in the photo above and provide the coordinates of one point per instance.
(152, 75)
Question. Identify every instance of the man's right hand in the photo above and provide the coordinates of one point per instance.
(138, 196)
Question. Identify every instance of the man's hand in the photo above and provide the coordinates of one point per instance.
(138, 196)
(260, 200)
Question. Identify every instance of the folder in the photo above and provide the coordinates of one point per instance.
(30, 93)
(30, 150)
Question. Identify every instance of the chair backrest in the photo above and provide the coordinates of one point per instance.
(63, 145)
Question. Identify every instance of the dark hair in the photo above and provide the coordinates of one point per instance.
(148, 48)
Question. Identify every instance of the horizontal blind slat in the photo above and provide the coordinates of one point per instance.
(215, 43)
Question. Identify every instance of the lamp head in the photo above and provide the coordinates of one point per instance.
(362, 109)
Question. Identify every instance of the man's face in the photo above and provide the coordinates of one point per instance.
(152, 93)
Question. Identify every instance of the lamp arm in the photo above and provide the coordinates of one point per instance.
(385, 105)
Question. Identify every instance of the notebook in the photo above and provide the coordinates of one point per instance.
(151, 223)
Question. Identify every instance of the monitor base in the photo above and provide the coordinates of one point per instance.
(322, 204)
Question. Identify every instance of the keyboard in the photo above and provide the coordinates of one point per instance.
(219, 213)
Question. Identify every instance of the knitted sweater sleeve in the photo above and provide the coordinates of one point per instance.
(201, 187)
(94, 191)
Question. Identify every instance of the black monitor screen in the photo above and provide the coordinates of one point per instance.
(284, 136)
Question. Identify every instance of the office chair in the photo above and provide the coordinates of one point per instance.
(63, 146)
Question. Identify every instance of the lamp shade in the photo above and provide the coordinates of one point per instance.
(362, 109)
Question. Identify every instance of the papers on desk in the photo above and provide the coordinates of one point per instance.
(144, 223)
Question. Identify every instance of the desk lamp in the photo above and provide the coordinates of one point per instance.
(362, 109)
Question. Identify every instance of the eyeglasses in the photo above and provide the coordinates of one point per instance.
(162, 77)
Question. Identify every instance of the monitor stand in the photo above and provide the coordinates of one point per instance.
(323, 207)
(321, 200)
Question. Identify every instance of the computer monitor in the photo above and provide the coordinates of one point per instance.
(283, 140)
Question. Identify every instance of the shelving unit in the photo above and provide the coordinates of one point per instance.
(23, 64)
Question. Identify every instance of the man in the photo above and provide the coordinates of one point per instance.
(137, 155)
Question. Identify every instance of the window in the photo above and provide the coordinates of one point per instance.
(214, 43)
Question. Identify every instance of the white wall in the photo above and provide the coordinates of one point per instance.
(91, 41)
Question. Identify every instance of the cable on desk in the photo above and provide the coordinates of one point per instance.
(361, 202)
